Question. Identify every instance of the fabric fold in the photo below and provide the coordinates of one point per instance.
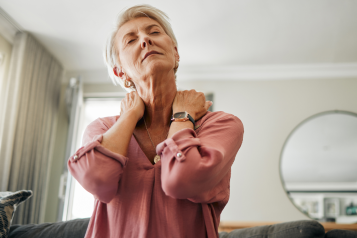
(96, 168)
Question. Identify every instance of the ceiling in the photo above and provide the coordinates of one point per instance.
(236, 32)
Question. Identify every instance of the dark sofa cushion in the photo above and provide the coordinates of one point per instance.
(77, 229)
(341, 234)
(296, 229)
(70, 229)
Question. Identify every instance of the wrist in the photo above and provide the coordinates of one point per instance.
(193, 115)
(183, 117)
(133, 115)
(183, 124)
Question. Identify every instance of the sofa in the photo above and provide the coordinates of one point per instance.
(77, 228)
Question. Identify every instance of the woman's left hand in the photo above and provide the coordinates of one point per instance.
(192, 102)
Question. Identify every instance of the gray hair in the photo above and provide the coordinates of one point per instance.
(111, 53)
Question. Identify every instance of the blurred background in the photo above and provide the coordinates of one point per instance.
(277, 65)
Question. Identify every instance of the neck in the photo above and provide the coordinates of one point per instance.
(158, 94)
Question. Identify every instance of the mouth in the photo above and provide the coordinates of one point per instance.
(150, 53)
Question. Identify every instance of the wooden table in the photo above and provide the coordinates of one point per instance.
(229, 226)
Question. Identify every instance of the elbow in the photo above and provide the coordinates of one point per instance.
(93, 182)
(102, 190)
(178, 189)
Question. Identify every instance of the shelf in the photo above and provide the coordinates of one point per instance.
(230, 226)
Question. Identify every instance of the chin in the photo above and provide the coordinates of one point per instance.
(159, 68)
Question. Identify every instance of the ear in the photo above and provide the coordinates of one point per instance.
(177, 56)
(115, 71)
(118, 73)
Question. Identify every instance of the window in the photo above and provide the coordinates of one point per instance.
(93, 108)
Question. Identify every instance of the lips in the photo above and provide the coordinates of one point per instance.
(150, 53)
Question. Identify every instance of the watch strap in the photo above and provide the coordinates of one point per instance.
(191, 119)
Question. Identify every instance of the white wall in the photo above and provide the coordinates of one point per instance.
(269, 111)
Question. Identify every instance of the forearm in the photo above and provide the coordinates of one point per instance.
(95, 167)
(117, 138)
(195, 170)
(192, 166)
(177, 126)
(98, 171)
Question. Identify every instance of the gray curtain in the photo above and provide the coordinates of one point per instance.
(30, 117)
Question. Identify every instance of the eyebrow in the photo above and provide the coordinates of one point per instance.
(133, 33)
(151, 26)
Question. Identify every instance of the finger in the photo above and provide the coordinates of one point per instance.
(208, 104)
(132, 95)
(122, 103)
(121, 107)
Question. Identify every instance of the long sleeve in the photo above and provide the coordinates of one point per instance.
(96, 168)
(197, 166)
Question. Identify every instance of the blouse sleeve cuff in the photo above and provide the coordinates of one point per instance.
(178, 144)
(96, 144)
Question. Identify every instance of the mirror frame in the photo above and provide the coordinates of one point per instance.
(287, 139)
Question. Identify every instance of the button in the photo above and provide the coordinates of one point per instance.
(179, 155)
(75, 157)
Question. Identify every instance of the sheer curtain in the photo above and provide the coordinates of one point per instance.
(29, 120)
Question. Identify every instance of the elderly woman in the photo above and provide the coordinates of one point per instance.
(162, 168)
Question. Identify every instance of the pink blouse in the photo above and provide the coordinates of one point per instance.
(181, 196)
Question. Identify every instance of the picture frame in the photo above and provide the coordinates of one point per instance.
(309, 204)
(332, 207)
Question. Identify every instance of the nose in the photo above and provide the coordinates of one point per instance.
(146, 42)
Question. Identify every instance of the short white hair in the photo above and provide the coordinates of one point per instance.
(111, 52)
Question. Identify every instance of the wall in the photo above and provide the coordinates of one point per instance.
(103, 89)
(269, 111)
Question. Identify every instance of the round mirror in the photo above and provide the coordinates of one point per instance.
(318, 166)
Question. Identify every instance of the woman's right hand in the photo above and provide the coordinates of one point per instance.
(132, 103)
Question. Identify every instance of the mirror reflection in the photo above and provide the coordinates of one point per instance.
(318, 166)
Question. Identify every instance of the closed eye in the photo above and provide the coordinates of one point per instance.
(131, 41)
(155, 32)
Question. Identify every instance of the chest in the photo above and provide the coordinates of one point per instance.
(147, 144)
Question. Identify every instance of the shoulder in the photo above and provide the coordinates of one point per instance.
(220, 119)
(98, 127)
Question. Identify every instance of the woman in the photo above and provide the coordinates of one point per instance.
(151, 175)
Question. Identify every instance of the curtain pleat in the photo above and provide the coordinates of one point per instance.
(38, 102)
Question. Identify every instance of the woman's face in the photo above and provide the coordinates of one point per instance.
(145, 49)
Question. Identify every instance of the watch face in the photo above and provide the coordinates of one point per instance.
(180, 115)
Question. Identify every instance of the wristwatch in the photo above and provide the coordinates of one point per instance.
(182, 116)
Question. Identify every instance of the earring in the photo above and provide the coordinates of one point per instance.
(176, 65)
(127, 84)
